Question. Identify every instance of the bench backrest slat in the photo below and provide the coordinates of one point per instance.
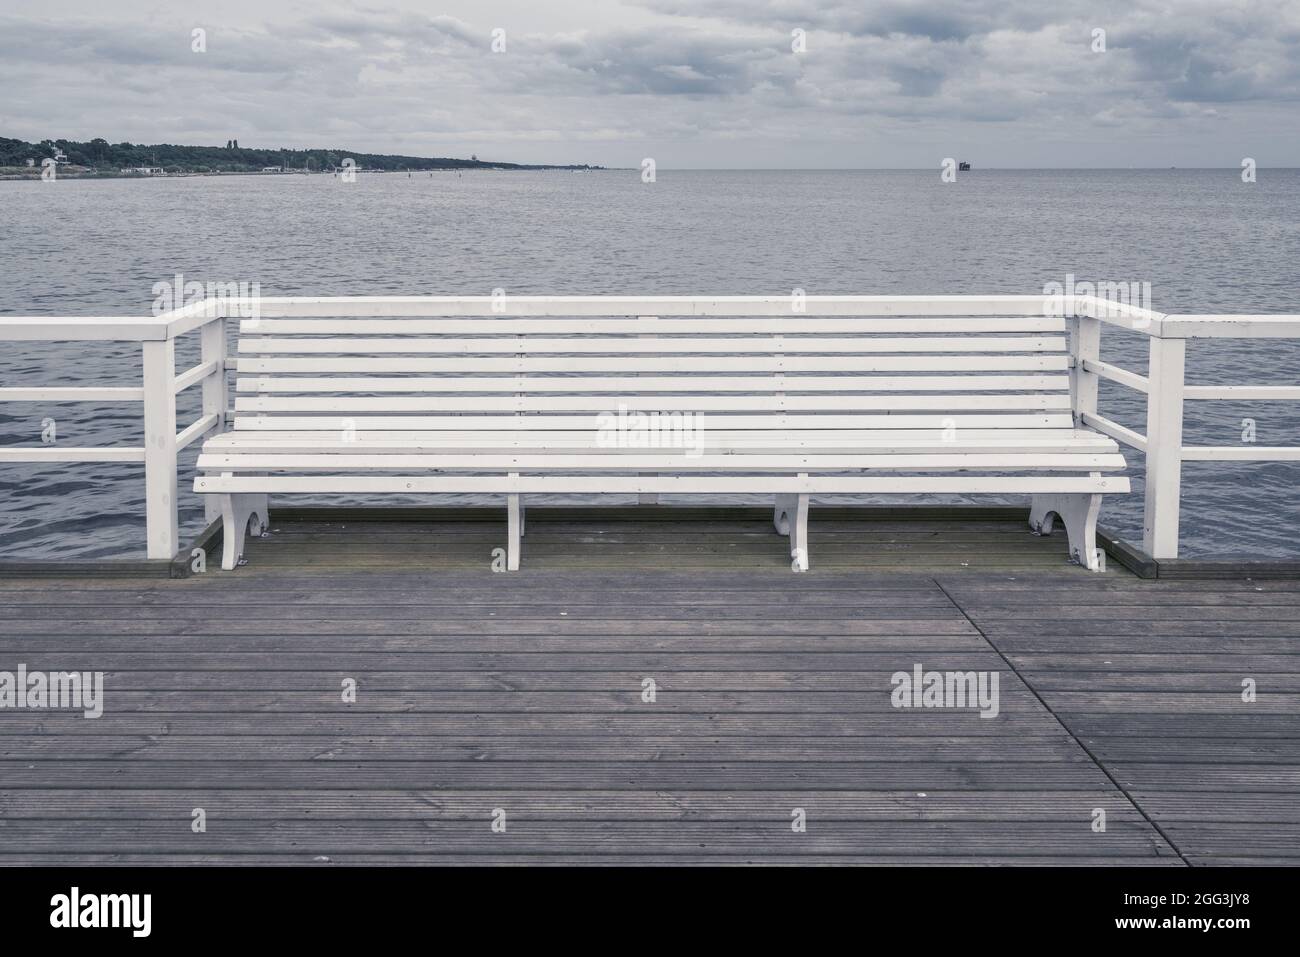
(643, 325)
(614, 365)
(733, 421)
(663, 345)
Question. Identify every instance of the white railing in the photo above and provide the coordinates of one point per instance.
(1166, 390)
(157, 394)
(1163, 385)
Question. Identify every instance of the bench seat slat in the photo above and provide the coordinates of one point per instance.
(380, 442)
(663, 484)
(675, 460)
(714, 446)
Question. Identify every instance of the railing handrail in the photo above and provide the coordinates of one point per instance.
(167, 325)
(1278, 326)
(83, 329)
(177, 322)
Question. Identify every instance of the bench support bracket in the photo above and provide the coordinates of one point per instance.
(240, 515)
(1079, 515)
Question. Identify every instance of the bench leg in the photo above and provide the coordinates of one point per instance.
(799, 534)
(240, 515)
(515, 531)
(1079, 515)
(786, 505)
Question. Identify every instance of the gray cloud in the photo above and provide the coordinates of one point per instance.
(695, 83)
(673, 62)
(913, 18)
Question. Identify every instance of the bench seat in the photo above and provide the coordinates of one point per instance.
(785, 408)
(781, 463)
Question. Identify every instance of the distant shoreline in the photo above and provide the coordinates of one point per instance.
(100, 159)
(22, 174)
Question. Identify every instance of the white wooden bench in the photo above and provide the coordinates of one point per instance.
(793, 406)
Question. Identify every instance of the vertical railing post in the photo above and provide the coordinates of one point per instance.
(160, 447)
(212, 345)
(1085, 346)
(1164, 447)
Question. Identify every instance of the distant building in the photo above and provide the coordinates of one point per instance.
(272, 169)
(60, 158)
(145, 170)
(31, 162)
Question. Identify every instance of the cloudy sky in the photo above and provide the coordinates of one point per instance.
(692, 83)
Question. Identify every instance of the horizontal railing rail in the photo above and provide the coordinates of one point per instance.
(1163, 386)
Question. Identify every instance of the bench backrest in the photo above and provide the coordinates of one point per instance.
(741, 373)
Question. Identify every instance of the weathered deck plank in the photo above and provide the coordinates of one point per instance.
(480, 691)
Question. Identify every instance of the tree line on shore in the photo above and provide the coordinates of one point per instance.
(232, 158)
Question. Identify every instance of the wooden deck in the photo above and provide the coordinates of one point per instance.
(480, 691)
